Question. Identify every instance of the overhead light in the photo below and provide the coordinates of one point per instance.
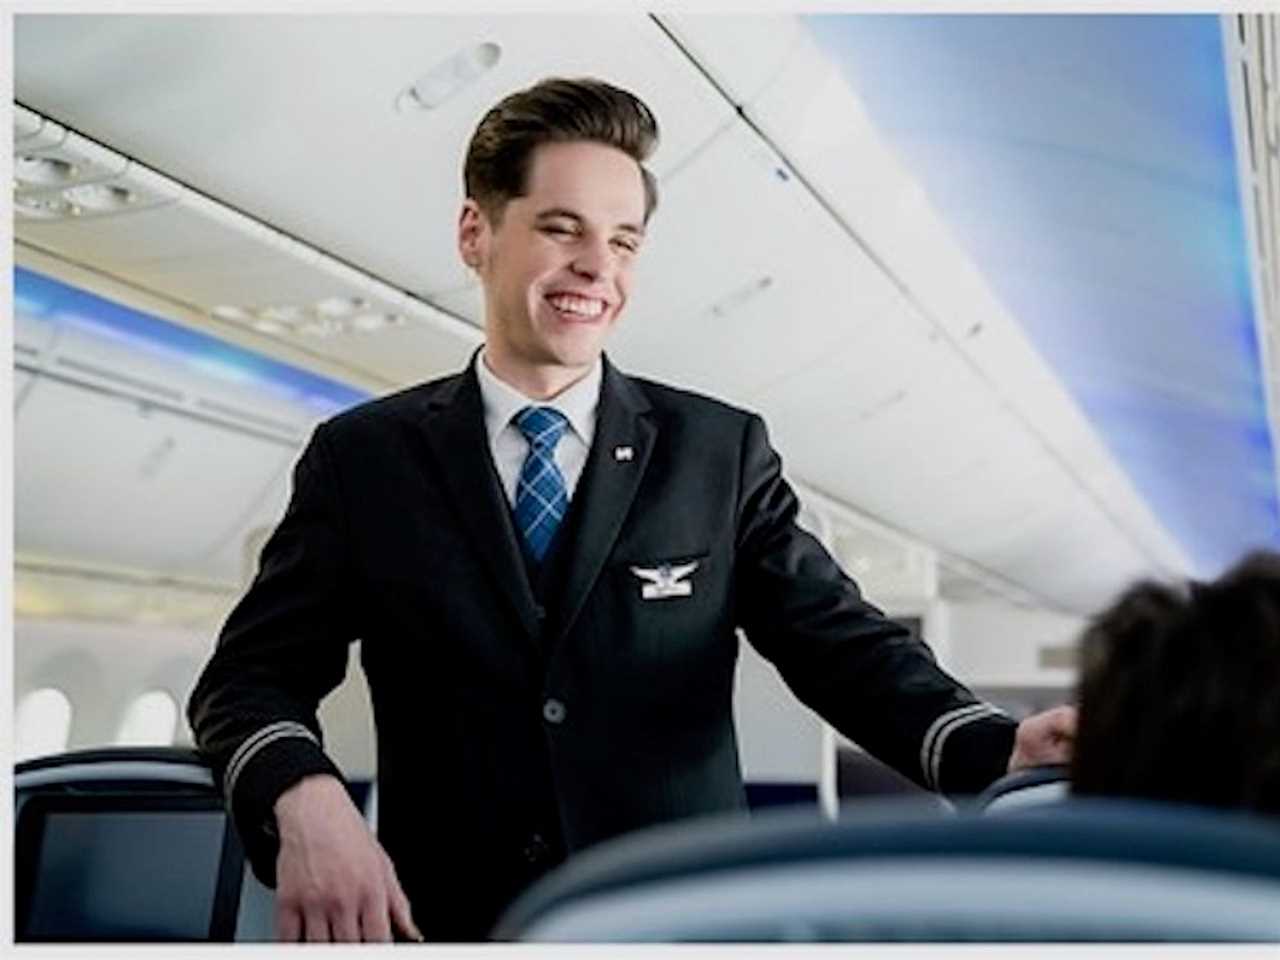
(338, 306)
(326, 318)
(43, 208)
(282, 313)
(263, 325)
(444, 80)
(100, 197)
(319, 328)
(44, 171)
(369, 322)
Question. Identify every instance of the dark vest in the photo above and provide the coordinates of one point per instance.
(546, 847)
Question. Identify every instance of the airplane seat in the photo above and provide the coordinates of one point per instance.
(124, 844)
(771, 794)
(861, 777)
(1083, 871)
(1033, 786)
(146, 768)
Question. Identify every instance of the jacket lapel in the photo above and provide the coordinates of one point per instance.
(453, 427)
(620, 451)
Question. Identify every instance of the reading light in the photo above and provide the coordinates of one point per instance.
(100, 197)
(445, 79)
(319, 328)
(338, 306)
(369, 322)
(286, 314)
(43, 208)
(44, 171)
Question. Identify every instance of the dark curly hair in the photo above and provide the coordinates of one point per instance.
(554, 111)
(1179, 692)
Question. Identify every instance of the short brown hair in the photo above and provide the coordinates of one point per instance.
(1180, 692)
(554, 111)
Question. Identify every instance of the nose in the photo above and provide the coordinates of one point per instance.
(595, 259)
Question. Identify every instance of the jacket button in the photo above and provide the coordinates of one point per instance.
(553, 711)
(540, 612)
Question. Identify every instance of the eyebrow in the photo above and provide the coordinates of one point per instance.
(558, 212)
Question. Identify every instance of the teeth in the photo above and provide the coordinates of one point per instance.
(577, 305)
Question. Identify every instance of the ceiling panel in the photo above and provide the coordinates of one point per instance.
(235, 550)
(347, 171)
(464, 301)
(199, 255)
(762, 45)
(406, 354)
(946, 425)
(166, 487)
(810, 111)
(21, 381)
(752, 292)
(1111, 226)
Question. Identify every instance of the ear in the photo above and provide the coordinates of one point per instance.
(473, 234)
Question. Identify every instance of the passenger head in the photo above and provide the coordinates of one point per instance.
(1179, 693)
(557, 202)
(555, 111)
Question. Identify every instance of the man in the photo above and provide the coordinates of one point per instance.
(546, 562)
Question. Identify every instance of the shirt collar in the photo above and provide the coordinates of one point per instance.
(502, 401)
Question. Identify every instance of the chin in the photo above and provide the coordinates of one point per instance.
(578, 349)
(576, 358)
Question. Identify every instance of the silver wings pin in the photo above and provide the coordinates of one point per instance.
(665, 580)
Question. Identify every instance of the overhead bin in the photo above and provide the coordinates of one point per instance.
(187, 440)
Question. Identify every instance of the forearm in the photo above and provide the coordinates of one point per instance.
(884, 691)
(282, 649)
(258, 748)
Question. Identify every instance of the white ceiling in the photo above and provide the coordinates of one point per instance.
(781, 273)
(292, 117)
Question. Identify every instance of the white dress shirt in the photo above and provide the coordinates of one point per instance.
(507, 444)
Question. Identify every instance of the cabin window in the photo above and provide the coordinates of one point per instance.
(151, 720)
(43, 724)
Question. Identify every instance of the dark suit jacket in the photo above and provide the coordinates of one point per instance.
(512, 728)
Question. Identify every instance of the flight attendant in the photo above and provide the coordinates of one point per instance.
(546, 561)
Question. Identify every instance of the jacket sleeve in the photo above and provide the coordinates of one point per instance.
(282, 649)
(863, 673)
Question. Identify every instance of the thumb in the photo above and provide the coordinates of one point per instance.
(1063, 721)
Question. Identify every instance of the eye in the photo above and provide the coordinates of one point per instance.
(559, 230)
(627, 244)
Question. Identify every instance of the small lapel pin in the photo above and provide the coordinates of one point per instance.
(623, 453)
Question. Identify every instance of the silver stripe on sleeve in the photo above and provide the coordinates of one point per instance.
(926, 748)
(936, 760)
(255, 742)
(939, 730)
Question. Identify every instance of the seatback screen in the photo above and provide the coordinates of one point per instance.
(117, 874)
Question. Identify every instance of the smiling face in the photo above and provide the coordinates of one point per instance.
(556, 266)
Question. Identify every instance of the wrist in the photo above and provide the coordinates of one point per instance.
(294, 804)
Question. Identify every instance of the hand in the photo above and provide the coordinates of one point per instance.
(1045, 737)
(333, 879)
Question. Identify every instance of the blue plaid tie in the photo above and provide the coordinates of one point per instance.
(541, 499)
